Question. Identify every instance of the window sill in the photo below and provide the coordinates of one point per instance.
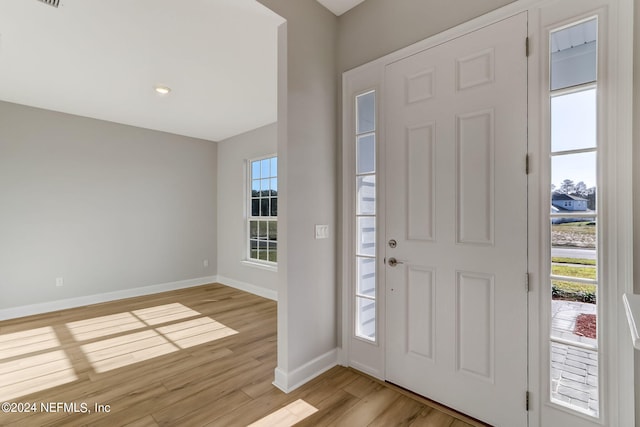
(260, 265)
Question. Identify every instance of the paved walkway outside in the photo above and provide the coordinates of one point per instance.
(574, 371)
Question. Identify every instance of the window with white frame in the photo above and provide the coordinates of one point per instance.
(262, 218)
(365, 218)
(575, 231)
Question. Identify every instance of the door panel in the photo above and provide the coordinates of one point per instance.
(475, 320)
(475, 177)
(421, 321)
(421, 182)
(456, 205)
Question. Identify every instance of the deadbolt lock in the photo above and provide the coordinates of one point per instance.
(393, 243)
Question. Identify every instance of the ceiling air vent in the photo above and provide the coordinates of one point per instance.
(53, 3)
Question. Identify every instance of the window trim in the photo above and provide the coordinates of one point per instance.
(248, 260)
(356, 256)
(615, 168)
(596, 86)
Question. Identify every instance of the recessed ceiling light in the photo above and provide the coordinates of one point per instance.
(163, 90)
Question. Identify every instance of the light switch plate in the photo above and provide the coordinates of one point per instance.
(322, 231)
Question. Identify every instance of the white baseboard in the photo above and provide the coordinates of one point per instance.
(343, 360)
(46, 307)
(247, 287)
(343, 357)
(280, 379)
(375, 373)
(288, 382)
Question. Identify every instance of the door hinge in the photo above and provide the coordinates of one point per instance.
(526, 47)
(526, 164)
(526, 400)
(526, 282)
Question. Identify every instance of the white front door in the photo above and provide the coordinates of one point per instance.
(456, 223)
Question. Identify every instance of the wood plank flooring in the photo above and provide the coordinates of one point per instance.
(202, 356)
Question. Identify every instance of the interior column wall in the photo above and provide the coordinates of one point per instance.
(307, 164)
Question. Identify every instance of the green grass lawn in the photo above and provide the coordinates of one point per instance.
(574, 271)
(573, 287)
(574, 267)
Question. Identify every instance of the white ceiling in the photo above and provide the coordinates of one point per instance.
(102, 59)
(338, 7)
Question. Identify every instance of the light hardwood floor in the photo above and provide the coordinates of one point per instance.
(202, 356)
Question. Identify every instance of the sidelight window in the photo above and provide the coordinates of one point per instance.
(574, 219)
(365, 182)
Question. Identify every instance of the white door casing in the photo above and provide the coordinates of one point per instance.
(617, 44)
(614, 224)
(456, 203)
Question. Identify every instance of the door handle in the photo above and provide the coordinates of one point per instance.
(393, 262)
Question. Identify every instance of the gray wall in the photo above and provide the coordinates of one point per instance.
(375, 28)
(107, 207)
(232, 197)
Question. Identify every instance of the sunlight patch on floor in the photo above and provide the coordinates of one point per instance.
(194, 332)
(129, 321)
(34, 360)
(114, 353)
(25, 342)
(152, 341)
(26, 375)
(291, 414)
(104, 325)
(165, 313)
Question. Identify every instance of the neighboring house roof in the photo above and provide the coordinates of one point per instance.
(562, 196)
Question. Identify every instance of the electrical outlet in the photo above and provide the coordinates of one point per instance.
(205, 263)
(59, 281)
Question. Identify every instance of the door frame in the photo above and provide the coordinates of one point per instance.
(615, 170)
(618, 392)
